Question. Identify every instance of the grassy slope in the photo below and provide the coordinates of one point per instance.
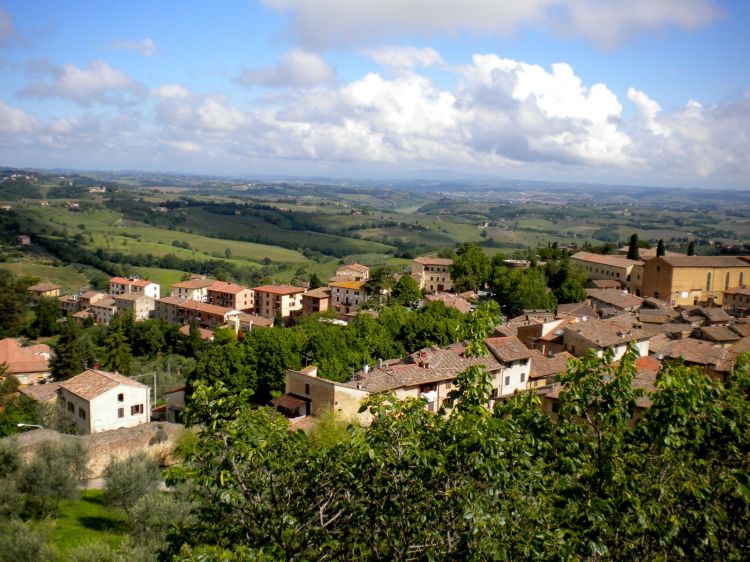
(67, 277)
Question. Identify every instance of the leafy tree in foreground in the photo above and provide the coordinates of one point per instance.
(128, 480)
(471, 268)
(508, 484)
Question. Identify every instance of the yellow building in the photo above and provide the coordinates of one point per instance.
(347, 296)
(616, 268)
(433, 274)
(687, 280)
(283, 301)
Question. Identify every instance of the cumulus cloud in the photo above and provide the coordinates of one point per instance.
(15, 121)
(404, 57)
(296, 68)
(607, 22)
(99, 82)
(146, 46)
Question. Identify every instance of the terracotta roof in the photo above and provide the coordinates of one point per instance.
(21, 360)
(604, 333)
(194, 284)
(132, 297)
(279, 289)
(289, 402)
(715, 315)
(43, 287)
(614, 261)
(645, 380)
(91, 295)
(742, 346)
(255, 320)
(705, 261)
(104, 303)
(508, 348)
(647, 363)
(319, 293)
(142, 283)
(224, 287)
(577, 309)
(451, 301)
(205, 307)
(614, 298)
(441, 364)
(121, 280)
(355, 266)
(92, 383)
(172, 300)
(701, 353)
(741, 329)
(82, 314)
(204, 334)
(744, 291)
(41, 392)
(543, 366)
(302, 423)
(605, 283)
(719, 334)
(429, 260)
(354, 285)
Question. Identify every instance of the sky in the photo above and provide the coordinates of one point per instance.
(643, 92)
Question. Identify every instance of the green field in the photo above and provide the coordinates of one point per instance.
(164, 277)
(70, 279)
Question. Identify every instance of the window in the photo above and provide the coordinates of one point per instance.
(658, 268)
(494, 393)
(120, 397)
(507, 380)
(307, 388)
(137, 409)
(120, 412)
(726, 282)
(71, 407)
(82, 413)
(708, 281)
(555, 407)
(523, 377)
(742, 278)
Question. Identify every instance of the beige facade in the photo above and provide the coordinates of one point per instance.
(140, 306)
(126, 286)
(194, 290)
(168, 309)
(103, 310)
(353, 272)
(320, 394)
(347, 296)
(599, 335)
(433, 273)
(687, 280)
(738, 297)
(615, 268)
(47, 290)
(316, 300)
(231, 295)
(278, 300)
(206, 315)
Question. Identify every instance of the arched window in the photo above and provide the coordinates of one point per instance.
(742, 281)
(726, 282)
(708, 281)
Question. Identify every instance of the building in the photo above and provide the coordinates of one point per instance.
(85, 300)
(316, 300)
(608, 302)
(206, 315)
(175, 403)
(23, 240)
(30, 365)
(347, 296)
(615, 268)
(737, 298)
(687, 280)
(433, 274)
(140, 306)
(353, 272)
(45, 394)
(284, 301)
(46, 290)
(243, 322)
(168, 309)
(69, 304)
(194, 290)
(99, 401)
(579, 337)
(545, 369)
(717, 362)
(126, 286)
(230, 295)
(451, 301)
(103, 310)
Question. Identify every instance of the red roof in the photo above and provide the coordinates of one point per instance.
(279, 289)
(21, 359)
(224, 287)
(205, 334)
(92, 383)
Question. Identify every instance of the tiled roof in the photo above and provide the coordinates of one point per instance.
(451, 301)
(104, 303)
(21, 360)
(700, 352)
(440, 364)
(354, 285)
(719, 334)
(279, 289)
(355, 266)
(715, 315)
(194, 284)
(577, 309)
(41, 392)
(614, 298)
(543, 366)
(508, 348)
(614, 261)
(255, 320)
(745, 291)
(121, 280)
(429, 260)
(92, 383)
(172, 300)
(202, 332)
(205, 307)
(131, 297)
(604, 333)
(43, 287)
(319, 293)
(605, 283)
(224, 287)
(705, 261)
(142, 283)
(742, 346)
(92, 295)
(742, 329)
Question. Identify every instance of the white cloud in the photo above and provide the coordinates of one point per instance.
(296, 68)
(404, 57)
(607, 22)
(146, 46)
(97, 83)
(16, 121)
(184, 146)
(646, 112)
(171, 91)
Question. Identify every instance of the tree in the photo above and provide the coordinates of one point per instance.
(381, 280)
(116, 353)
(68, 360)
(14, 302)
(128, 480)
(315, 281)
(471, 268)
(633, 253)
(691, 248)
(517, 290)
(406, 291)
(15, 408)
(660, 249)
(46, 314)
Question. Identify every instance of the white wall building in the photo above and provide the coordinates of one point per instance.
(100, 401)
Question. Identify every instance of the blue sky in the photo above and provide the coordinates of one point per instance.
(653, 92)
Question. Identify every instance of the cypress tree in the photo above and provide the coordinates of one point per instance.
(660, 249)
(691, 248)
(633, 253)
